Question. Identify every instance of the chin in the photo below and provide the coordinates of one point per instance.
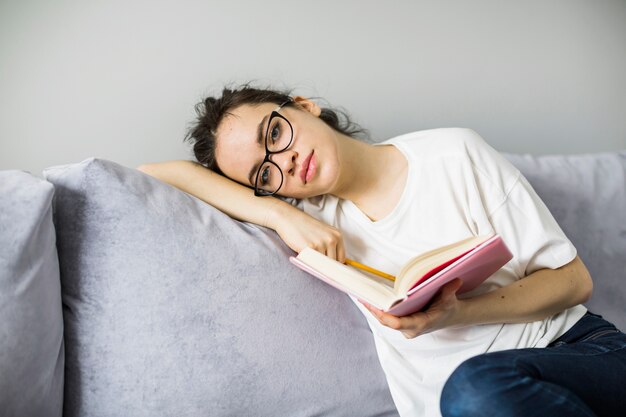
(300, 195)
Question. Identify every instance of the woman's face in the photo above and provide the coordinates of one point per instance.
(309, 165)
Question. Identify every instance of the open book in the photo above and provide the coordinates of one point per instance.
(473, 260)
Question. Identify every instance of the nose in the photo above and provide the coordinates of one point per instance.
(286, 160)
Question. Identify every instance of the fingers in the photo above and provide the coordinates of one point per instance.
(409, 326)
(440, 314)
(331, 252)
(341, 252)
(331, 244)
(449, 290)
(300, 230)
(386, 319)
(336, 251)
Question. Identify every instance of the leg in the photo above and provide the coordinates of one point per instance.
(584, 370)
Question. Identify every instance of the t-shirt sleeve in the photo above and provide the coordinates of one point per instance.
(516, 212)
(530, 231)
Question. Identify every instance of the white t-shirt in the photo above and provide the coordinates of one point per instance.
(457, 187)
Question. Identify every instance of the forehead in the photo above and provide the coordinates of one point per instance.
(236, 149)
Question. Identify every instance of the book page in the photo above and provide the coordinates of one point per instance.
(382, 281)
(348, 279)
(417, 267)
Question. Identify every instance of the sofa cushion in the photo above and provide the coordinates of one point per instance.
(173, 308)
(587, 196)
(31, 322)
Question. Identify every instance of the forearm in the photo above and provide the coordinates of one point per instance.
(535, 297)
(222, 193)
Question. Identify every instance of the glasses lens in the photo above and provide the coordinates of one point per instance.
(279, 134)
(269, 178)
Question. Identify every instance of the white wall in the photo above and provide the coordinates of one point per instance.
(119, 79)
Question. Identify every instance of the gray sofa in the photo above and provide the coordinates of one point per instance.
(121, 295)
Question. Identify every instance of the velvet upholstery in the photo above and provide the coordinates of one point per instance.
(172, 308)
(31, 323)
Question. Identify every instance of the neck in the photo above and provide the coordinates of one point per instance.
(366, 171)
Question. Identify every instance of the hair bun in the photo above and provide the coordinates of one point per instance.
(210, 101)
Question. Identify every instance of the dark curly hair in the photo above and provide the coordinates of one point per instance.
(211, 111)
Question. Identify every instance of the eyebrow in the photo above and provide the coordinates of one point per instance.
(259, 141)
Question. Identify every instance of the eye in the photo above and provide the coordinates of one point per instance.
(275, 133)
(265, 175)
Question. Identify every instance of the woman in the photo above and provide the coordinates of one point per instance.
(534, 349)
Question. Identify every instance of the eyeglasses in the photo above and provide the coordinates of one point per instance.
(278, 137)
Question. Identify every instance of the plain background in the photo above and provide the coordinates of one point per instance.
(119, 79)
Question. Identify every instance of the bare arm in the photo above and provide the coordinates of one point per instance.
(295, 227)
(233, 199)
(539, 295)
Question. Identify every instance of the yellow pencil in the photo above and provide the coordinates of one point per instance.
(369, 269)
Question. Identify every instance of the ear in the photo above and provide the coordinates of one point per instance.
(308, 105)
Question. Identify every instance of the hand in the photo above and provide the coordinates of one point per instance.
(300, 230)
(444, 311)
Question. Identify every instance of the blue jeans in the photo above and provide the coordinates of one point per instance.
(582, 373)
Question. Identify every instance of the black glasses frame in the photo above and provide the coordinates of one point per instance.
(260, 192)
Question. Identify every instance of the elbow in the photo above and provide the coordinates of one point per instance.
(143, 168)
(585, 282)
(146, 169)
(587, 289)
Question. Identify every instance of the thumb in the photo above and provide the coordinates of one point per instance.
(450, 289)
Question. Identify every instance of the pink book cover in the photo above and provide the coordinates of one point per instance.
(473, 268)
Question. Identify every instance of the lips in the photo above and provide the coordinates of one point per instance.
(308, 169)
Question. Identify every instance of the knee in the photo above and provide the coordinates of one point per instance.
(472, 388)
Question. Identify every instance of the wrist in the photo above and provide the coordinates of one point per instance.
(481, 309)
(463, 316)
(276, 210)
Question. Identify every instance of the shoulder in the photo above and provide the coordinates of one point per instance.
(447, 136)
(451, 149)
(443, 142)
